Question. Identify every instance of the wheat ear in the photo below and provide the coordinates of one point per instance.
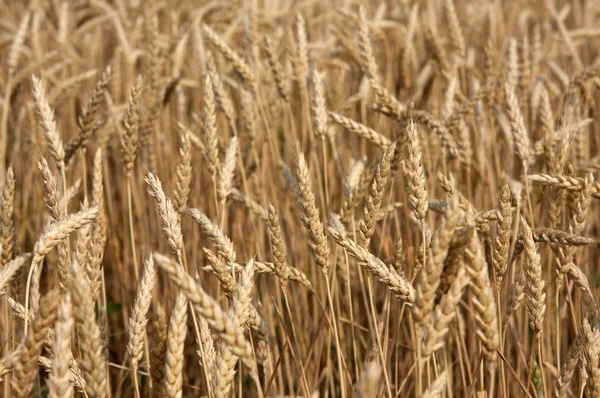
(60, 374)
(173, 377)
(25, 369)
(310, 215)
(534, 288)
(229, 330)
(503, 231)
(443, 314)
(483, 299)
(591, 353)
(138, 320)
(93, 360)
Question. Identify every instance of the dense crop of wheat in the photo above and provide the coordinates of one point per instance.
(274, 198)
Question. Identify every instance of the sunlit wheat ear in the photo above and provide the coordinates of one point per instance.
(16, 47)
(11, 268)
(503, 231)
(568, 367)
(240, 309)
(173, 378)
(457, 41)
(276, 69)
(184, 172)
(130, 137)
(93, 361)
(310, 215)
(139, 320)
(88, 116)
(278, 247)
(428, 279)
(227, 169)
(169, 219)
(7, 218)
(27, 364)
(366, 49)
(46, 115)
(51, 238)
(368, 381)
(591, 354)
(230, 331)
(238, 63)
(209, 129)
(58, 382)
(483, 297)
(222, 98)
(437, 388)
(361, 130)
(318, 107)
(415, 175)
(158, 351)
(517, 125)
(222, 243)
(443, 314)
(373, 204)
(396, 283)
(534, 288)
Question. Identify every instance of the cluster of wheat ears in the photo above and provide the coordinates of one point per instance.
(320, 198)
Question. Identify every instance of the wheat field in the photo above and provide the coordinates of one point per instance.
(278, 198)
